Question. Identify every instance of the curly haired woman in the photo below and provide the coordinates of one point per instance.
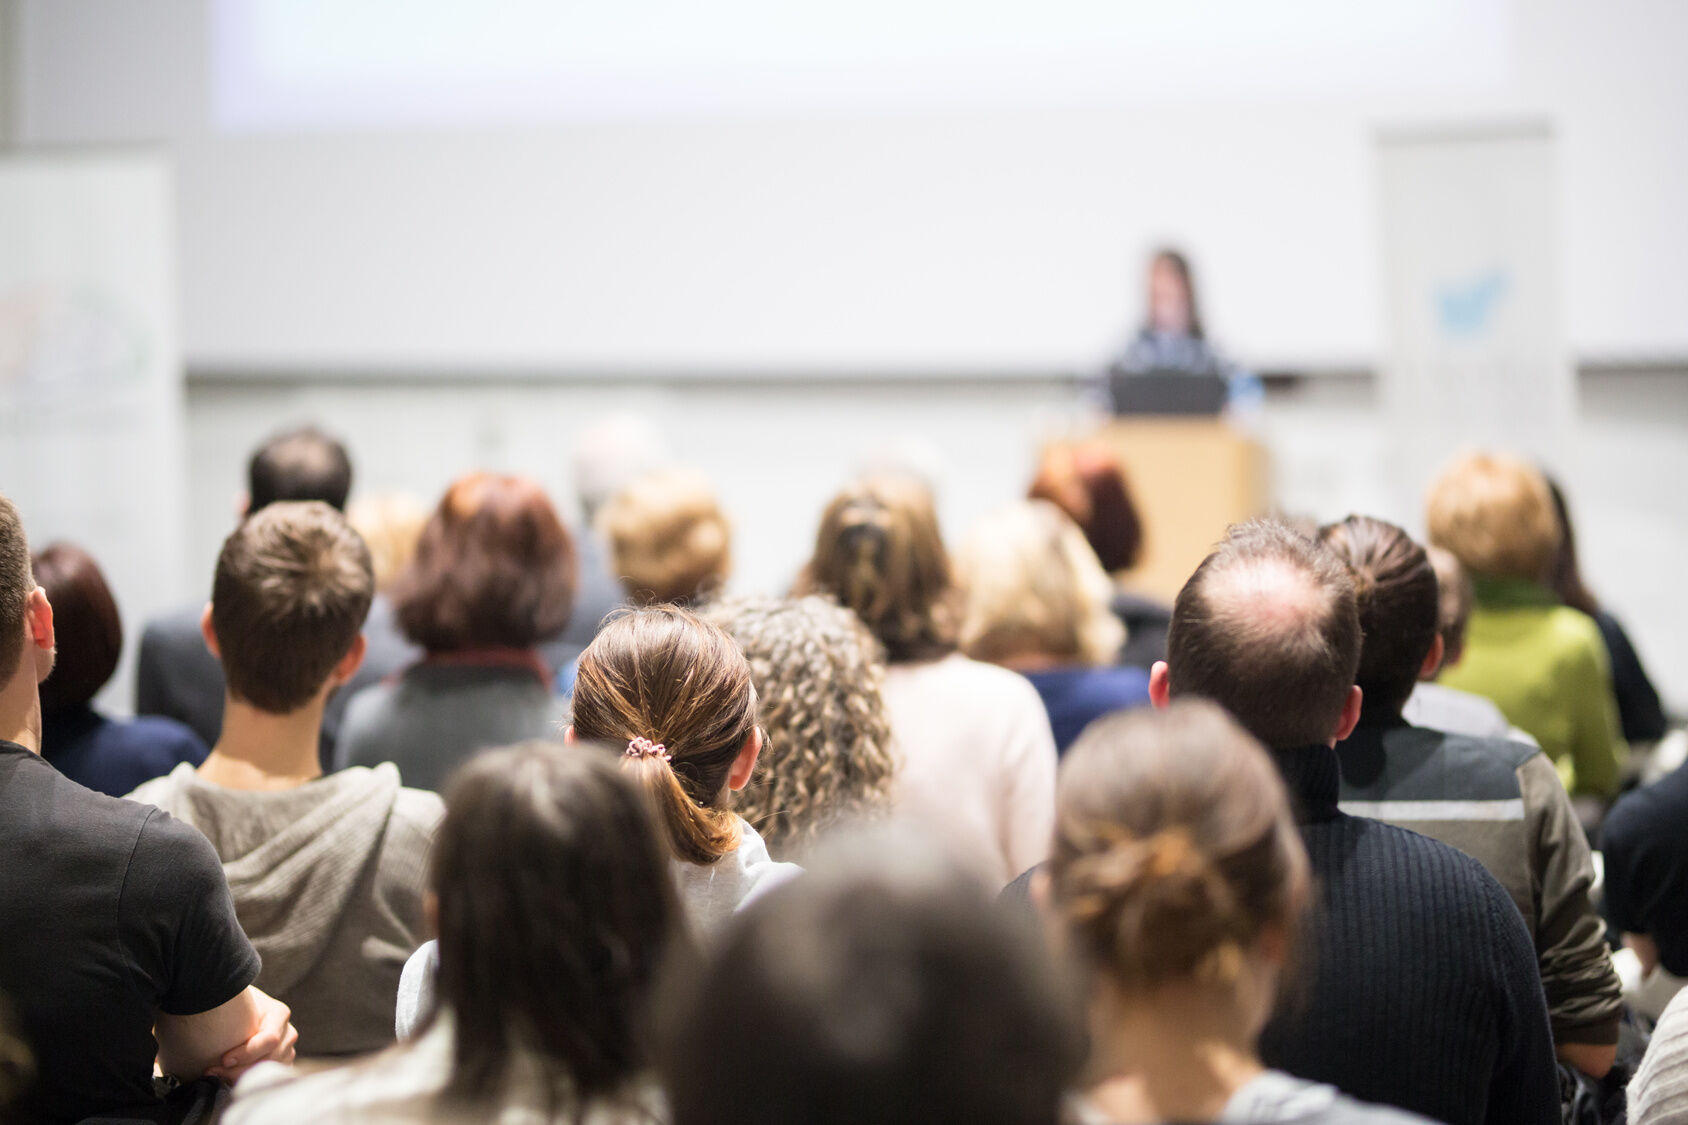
(828, 757)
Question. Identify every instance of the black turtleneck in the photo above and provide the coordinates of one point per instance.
(1418, 984)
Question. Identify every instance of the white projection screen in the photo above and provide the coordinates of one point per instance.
(876, 186)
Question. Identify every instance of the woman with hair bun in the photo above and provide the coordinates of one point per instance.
(1178, 881)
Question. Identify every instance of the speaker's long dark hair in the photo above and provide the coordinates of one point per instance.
(556, 914)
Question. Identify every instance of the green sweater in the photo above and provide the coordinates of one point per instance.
(1545, 665)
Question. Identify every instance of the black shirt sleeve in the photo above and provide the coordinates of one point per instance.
(178, 924)
(1647, 867)
(1639, 711)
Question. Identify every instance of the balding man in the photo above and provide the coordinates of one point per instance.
(1420, 987)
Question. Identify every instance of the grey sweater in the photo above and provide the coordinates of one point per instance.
(327, 880)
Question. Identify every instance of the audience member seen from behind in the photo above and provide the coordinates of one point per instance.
(327, 873)
(1645, 862)
(1436, 705)
(1543, 663)
(1087, 482)
(1037, 602)
(818, 675)
(118, 941)
(1449, 786)
(1179, 882)
(1422, 990)
(108, 756)
(1640, 716)
(975, 754)
(175, 676)
(872, 993)
(671, 695)
(668, 539)
(555, 919)
(492, 577)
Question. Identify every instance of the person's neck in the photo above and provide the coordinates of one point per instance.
(1169, 1062)
(265, 751)
(20, 708)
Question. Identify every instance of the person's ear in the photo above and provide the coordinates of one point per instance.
(1432, 659)
(1350, 715)
(38, 624)
(1160, 685)
(431, 913)
(569, 737)
(351, 662)
(242, 506)
(210, 634)
(745, 764)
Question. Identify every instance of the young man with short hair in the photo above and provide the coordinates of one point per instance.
(328, 873)
(118, 941)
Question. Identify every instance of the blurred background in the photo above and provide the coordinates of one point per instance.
(796, 240)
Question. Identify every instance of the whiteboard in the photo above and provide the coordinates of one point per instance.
(90, 371)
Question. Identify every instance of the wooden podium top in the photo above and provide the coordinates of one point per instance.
(1190, 478)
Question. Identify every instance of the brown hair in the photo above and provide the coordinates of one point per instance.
(1174, 846)
(300, 464)
(1453, 602)
(1397, 592)
(1088, 483)
(889, 989)
(556, 913)
(86, 626)
(17, 582)
(1268, 628)
(1034, 588)
(880, 553)
(1180, 265)
(818, 674)
(664, 674)
(292, 589)
(1495, 514)
(668, 540)
(1565, 576)
(494, 568)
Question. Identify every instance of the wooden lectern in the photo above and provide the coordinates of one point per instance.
(1190, 478)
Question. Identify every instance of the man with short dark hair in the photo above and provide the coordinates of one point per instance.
(1421, 988)
(115, 919)
(1498, 801)
(176, 675)
(327, 873)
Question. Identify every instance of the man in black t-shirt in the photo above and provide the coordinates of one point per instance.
(115, 919)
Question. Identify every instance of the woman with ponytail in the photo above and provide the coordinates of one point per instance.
(976, 754)
(1177, 882)
(672, 694)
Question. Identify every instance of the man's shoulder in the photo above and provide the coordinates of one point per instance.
(418, 810)
(1653, 812)
(1389, 853)
(1470, 753)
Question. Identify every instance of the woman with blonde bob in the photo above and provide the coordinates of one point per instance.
(977, 760)
(1037, 602)
(1543, 663)
(819, 677)
(1178, 883)
(668, 539)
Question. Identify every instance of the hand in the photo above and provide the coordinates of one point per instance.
(274, 1041)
